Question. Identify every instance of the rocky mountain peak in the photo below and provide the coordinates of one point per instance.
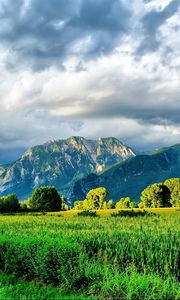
(61, 162)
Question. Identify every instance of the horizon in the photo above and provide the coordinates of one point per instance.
(89, 68)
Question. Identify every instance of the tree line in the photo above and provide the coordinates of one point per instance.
(43, 199)
(166, 194)
(47, 198)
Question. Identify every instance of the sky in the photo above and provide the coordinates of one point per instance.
(92, 68)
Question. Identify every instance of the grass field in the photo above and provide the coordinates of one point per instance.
(108, 212)
(12, 288)
(101, 257)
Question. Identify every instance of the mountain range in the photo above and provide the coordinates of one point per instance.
(61, 163)
(76, 165)
(130, 177)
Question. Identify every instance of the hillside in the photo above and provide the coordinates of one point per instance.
(130, 177)
(61, 163)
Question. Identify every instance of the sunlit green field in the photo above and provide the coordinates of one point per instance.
(108, 212)
(102, 257)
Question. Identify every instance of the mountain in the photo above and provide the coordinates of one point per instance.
(61, 163)
(2, 170)
(130, 177)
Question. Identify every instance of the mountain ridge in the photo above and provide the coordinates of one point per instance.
(130, 177)
(61, 162)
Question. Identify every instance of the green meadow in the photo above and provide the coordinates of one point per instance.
(66, 256)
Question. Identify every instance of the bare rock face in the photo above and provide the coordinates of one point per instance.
(60, 163)
(2, 170)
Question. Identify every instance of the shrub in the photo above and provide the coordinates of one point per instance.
(109, 204)
(132, 213)
(87, 213)
(125, 203)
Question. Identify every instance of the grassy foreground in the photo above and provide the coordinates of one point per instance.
(12, 288)
(129, 287)
(101, 257)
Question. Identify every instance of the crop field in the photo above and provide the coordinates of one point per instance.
(104, 257)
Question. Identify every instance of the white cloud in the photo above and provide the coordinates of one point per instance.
(159, 5)
(25, 6)
(169, 34)
(119, 93)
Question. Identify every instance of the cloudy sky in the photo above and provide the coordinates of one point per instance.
(90, 68)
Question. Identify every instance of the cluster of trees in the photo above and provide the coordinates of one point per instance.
(166, 194)
(96, 199)
(45, 198)
(125, 203)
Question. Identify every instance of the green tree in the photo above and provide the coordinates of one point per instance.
(141, 205)
(24, 207)
(155, 195)
(105, 205)
(64, 205)
(125, 203)
(173, 184)
(9, 203)
(95, 198)
(175, 197)
(45, 198)
(79, 205)
(110, 204)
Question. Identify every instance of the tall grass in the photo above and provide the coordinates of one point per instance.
(129, 258)
(12, 288)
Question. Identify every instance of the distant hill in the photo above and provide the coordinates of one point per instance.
(130, 177)
(61, 163)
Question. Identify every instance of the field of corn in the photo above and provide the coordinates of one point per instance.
(101, 257)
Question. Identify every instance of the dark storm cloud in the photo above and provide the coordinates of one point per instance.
(151, 23)
(45, 32)
(131, 106)
(139, 99)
